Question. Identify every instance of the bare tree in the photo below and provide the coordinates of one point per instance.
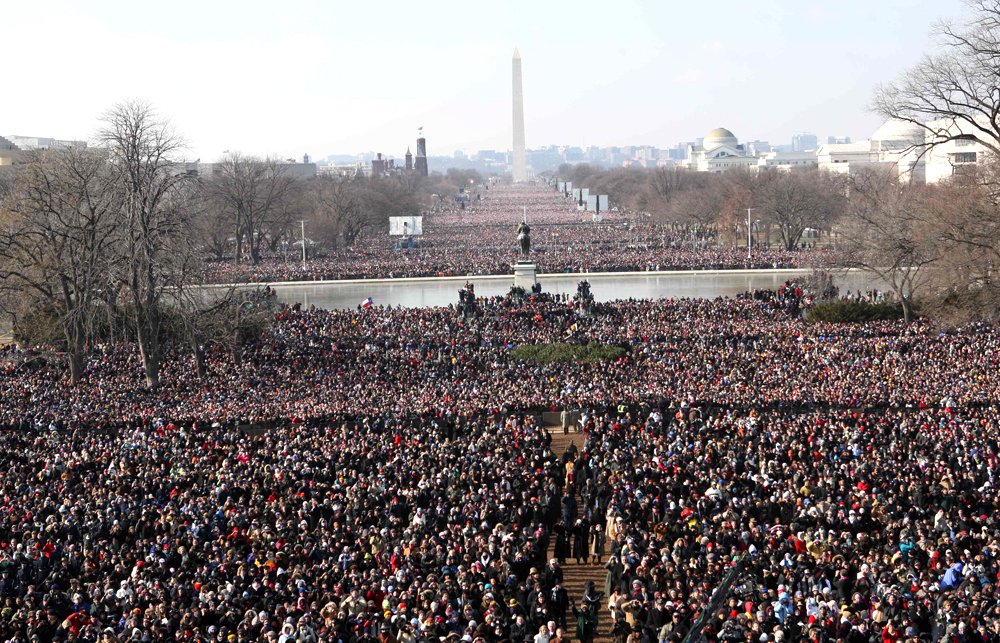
(214, 225)
(254, 192)
(210, 318)
(889, 233)
(340, 213)
(153, 219)
(965, 212)
(624, 187)
(56, 238)
(952, 93)
(793, 201)
(664, 185)
(384, 198)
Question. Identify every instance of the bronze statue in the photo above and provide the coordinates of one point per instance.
(524, 238)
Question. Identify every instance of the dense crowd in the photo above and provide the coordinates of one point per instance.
(390, 481)
(846, 525)
(480, 240)
(743, 352)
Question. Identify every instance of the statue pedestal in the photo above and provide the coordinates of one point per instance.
(525, 273)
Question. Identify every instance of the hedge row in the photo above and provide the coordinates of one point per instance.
(563, 353)
(845, 310)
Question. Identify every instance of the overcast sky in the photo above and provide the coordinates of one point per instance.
(289, 77)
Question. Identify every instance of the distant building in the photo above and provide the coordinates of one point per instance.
(787, 160)
(804, 142)
(758, 148)
(39, 143)
(910, 150)
(345, 170)
(290, 168)
(408, 161)
(945, 159)
(895, 144)
(420, 163)
(838, 140)
(12, 146)
(841, 157)
(718, 151)
(378, 165)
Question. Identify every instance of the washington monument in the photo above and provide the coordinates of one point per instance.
(520, 169)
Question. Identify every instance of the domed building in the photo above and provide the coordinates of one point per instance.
(916, 153)
(899, 143)
(718, 137)
(896, 135)
(719, 151)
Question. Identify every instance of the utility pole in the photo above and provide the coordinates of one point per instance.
(303, 222)
(749, 238)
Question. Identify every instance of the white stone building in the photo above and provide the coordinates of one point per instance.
(719, 151)
(945, 159)
(906, 147)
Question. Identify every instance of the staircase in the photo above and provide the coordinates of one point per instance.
(575, 576)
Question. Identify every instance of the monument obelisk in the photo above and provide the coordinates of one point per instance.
(520, 168)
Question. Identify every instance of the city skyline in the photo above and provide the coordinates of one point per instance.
(321, 80)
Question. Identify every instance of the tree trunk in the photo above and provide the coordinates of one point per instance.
(199, 361)
(907, 305)
(74, 332)
(150, 363)
(74, 357)
(236, 349)
(148, 331)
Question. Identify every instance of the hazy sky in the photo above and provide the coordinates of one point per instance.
(288, 77)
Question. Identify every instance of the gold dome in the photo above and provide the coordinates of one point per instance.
(719, 136)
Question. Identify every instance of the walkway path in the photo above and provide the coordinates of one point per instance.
(575, 576)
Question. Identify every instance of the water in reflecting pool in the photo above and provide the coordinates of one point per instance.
(606, 286)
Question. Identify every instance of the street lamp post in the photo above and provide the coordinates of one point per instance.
(749, 233)
(303, 222)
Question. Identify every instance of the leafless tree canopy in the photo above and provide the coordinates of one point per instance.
(116, 235)
(960, 82)
(56, 240)
(793, 201)
(152, 218)
(255, 196)
(890, 232)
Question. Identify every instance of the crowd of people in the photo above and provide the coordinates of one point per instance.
(479, 240)
(381, 474)
(844, 525)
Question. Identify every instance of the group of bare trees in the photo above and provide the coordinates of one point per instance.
(55, 238)
(940, 243)
(937, 243)
(90, 234)
(97, 242)
(110, 240)
(783, 203)
(251, 207)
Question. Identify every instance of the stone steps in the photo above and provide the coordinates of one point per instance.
(575, 576)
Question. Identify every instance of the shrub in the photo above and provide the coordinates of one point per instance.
(847, 311)
(564, 353)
